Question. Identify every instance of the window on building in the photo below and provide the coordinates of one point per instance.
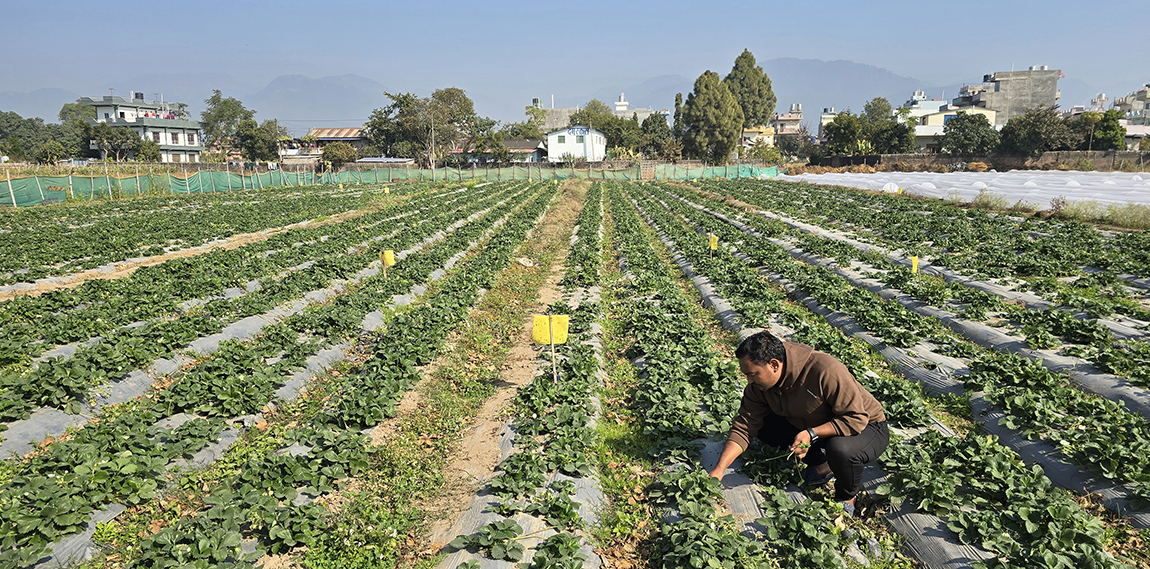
(562, 139)
(578, 140)
(191, 139)
(121, 114)
(106, 115)
(156, 137)
(177, 158)
(175, 138)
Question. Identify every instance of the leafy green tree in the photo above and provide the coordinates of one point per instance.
(259, 142)
(969, 133)
(15, 148)
(876, 112)
(1111, 135)
(76, 112)
(338, 153)
(148, 151)
(49, 153)
(116, 142)
(422, 128)
(761, 151)
(1036, 131)
(1144, 145)
(221, 119)
(845, 135)
(530, 129)
(712, 120)
(1084, 126)
(656, 132)
(893, 137)
(384, 130)
(752, 89)
(594, 114)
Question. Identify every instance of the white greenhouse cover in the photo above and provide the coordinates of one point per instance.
(1037, 187)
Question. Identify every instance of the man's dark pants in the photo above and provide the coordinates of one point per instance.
(846, 455)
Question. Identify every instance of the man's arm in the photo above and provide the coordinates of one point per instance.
(731, 451)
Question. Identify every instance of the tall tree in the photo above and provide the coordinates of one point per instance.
(969, 133)
(846, 135)
(259, 142)
(49, 153)
(148, 151)
(118, 141)
(532, 128)
(876, 111)
(423, 128)
(384, 130)
(594, 114)
(338, 153)
(752, 89)
(677, 126)
(712, 120)
(1111, 134)
(656, 133)
(221, 119)
(76, 112)
(1036, 131)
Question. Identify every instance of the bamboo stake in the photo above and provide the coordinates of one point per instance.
(11, 193)
(138, 192)
(108, 179)
(70, 194)
(38, 188)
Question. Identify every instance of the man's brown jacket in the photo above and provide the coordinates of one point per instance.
(815, 388)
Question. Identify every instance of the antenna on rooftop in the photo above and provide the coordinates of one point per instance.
(112, 91)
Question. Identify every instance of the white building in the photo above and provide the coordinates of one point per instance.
(576, 143)
(179, 139)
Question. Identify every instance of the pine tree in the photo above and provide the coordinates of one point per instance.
(752, 88)
(712, 120)
(677, 128)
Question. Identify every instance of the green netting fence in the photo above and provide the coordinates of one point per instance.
(34, 190)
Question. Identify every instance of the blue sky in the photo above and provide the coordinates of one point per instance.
(515, 50)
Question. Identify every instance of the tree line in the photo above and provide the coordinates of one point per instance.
(879, 131)
(441, 128)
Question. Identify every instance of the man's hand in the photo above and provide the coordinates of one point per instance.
(801, 445)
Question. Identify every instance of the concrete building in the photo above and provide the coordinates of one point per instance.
(180, 139)
(919, 105)
(759, 135)
(1012, 93)
(1135, 107)
(828, 115)
(787, 124)
(576, 143)
(352, 136)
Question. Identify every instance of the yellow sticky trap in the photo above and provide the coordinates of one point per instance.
(900, 190)
(714, 242)
(388, 258)
(914, 264)
(386, 191)
(541, 332)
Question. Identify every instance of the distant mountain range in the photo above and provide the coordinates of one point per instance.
(301, 102)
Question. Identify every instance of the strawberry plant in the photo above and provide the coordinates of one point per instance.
(497, 540)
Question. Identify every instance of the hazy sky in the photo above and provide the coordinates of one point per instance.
(500, 50)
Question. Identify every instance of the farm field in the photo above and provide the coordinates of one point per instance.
(285, 400)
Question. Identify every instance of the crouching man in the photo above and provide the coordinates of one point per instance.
(808, 402)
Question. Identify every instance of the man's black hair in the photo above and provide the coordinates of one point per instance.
(761, 348)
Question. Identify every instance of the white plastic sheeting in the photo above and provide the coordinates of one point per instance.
(1037, 187)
